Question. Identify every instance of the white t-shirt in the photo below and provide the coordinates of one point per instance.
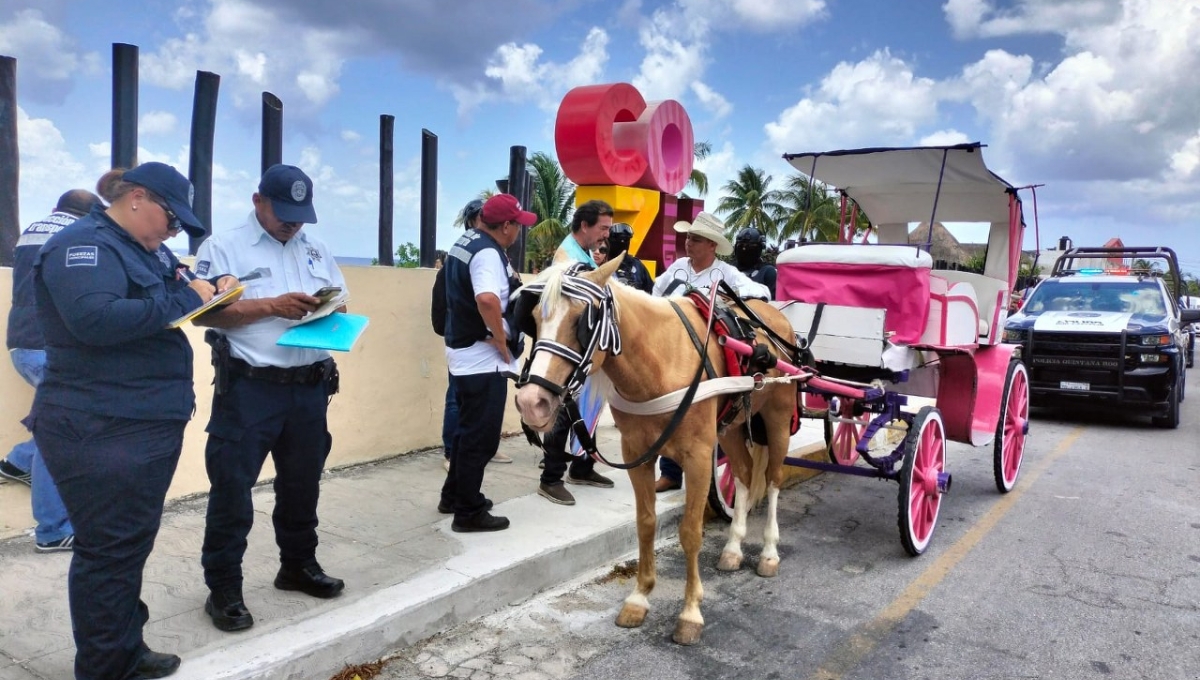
(681, 269)
(488, 275)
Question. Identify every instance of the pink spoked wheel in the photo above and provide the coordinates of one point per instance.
(841, 438)
(1008, 449)
(721, 490)
(923, 480)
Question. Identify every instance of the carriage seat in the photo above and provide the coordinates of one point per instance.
(890, 277)
(954, 319)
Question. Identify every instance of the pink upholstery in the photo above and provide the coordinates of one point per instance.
(902, 290)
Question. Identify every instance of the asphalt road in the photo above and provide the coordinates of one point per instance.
(1090, 568)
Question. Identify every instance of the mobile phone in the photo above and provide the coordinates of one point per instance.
(327, 293)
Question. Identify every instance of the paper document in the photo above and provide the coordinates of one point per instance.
(327, 307)
(219, 300)
(337, 332)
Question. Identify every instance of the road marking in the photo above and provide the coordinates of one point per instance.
(851, 652)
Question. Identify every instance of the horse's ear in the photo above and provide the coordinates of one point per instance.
(601, 275)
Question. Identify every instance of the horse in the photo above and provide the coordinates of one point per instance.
(636, 348)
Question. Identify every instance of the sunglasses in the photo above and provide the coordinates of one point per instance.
(603, 251)
(173, 223)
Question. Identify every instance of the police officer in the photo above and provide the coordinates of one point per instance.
(26, 347)
(481, 346)
(109, 415)
(747, 252)
(269, 398)
(631, 272)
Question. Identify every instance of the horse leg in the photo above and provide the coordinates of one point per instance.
(777, 446)
(739, 462)
(637, 604)
(698, 473)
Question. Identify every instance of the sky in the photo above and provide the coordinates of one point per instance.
(1096, 99)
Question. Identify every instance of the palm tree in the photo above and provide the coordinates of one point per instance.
(809, 212)
(554, 202)
(750, 202)
(698, 179)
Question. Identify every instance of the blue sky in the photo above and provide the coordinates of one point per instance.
(1097, 99)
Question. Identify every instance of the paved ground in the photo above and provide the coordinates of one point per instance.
(408, 576)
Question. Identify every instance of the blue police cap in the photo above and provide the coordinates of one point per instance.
(291, 193)
(173, 188)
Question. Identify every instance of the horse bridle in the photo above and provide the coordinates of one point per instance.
(596, 331)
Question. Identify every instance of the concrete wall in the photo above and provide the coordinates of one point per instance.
(393, 387)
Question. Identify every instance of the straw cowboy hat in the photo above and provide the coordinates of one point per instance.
(709, 227)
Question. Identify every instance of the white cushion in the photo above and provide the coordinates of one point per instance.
(848, 253)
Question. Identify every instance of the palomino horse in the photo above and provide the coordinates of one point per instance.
(640, 346)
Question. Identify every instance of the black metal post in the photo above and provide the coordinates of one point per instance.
(10, 168)
(124, 105)
(517, 186)
(200, 160)
(429, 149)
(387, 154)
(272, 130)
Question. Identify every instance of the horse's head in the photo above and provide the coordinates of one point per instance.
(572, 315)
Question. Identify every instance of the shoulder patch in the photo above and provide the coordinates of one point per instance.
(202, 267)
(82, 256)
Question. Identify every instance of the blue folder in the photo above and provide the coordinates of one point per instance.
(337, 332)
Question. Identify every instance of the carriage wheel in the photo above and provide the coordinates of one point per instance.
(842, 438)
(721, 490)
(1011, 428)
(920, 498)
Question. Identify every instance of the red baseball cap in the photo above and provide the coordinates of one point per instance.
(502, 208)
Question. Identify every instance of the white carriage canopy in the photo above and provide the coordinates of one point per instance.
(897, 186)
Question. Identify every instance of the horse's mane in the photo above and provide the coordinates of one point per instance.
(552, 295)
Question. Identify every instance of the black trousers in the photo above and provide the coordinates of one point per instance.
(481, 401)
(556, 458)
(254, 418)
(112, 474)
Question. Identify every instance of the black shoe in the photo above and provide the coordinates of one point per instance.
(310, 580)
(155, 665)
(592, 478)
(10, 471)
(228, 610)
(484, 521)
(448, 508)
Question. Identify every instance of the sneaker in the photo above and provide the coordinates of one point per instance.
(592, 478)
(484, 521)
(556, 493)
(446, 464)
(10, 471)
(501, 457)
(64, 544)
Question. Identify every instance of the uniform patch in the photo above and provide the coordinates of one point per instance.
(82, 256)
(202, 267)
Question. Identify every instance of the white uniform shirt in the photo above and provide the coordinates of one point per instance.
(681, 269)
(488, 275)
(303, 264)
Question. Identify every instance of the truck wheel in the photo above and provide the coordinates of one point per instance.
(1170, 420)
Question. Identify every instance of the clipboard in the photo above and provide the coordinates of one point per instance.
(337, 332)
(228, 297)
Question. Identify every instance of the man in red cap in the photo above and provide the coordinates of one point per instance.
(480, 349)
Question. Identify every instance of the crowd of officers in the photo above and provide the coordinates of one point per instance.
(95, 327)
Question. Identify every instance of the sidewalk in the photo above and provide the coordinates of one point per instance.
(407, 575)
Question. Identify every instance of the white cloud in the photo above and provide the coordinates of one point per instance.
(47, 168)
(47, 58)
(157, 123)
(944, 138)
(712, 100)
(675, 56)
(351, 136)
(981, 19)
(874, 102)
(758, 15)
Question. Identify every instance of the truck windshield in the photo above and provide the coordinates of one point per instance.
(1074, 295)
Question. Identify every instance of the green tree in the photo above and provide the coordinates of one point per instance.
(749, 201)
(698, 179)
(408, 256)
(809, 211)
(554, 202)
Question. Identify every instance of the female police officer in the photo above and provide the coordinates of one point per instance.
(110, 413)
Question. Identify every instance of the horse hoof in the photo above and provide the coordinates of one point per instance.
(687, 632)
(631, 616)
(729, 562)
(768, 568)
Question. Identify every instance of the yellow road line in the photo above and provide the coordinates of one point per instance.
(851, 652)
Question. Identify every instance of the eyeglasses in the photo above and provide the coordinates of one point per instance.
(602, 251)
(173, 223)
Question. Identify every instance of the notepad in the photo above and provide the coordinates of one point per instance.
(228, 297)
(337, 332)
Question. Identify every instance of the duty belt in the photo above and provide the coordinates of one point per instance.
(311, 374)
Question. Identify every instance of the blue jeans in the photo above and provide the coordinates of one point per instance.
(48, 508)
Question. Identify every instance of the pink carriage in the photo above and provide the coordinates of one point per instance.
(882, 325)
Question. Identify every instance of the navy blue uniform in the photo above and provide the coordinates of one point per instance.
(109, 419)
